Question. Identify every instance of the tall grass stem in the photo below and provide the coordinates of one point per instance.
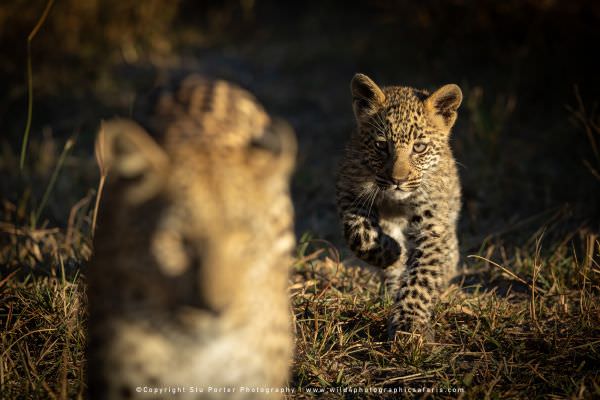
(59, 164)
(32, 34)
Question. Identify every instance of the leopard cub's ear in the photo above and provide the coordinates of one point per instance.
(442, 105)
(132, 157)
(367, 97)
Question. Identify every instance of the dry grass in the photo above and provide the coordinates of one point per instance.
(532, 331)
(512, 343)
(522, 321)
(42, 317)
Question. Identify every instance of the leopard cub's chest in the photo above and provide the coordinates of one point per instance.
(393, 218)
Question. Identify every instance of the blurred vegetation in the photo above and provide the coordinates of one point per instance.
(527, 139)
(81, 38)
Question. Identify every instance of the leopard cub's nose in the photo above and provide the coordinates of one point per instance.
(397, 185)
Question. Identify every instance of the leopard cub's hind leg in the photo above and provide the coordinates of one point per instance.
(432, 255)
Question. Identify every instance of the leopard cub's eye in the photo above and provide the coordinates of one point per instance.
(419, 147)
(381, 145)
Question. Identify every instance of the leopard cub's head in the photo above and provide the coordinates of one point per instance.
(402, 131)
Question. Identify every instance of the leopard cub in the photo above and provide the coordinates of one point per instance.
(398, 193)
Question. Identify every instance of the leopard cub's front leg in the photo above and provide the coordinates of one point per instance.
(432, 258)
(365, 236)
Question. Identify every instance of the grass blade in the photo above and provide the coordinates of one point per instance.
(32, 34)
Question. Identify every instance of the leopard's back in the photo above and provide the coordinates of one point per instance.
(187, 285)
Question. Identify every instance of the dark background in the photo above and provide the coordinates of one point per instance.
(526, 137)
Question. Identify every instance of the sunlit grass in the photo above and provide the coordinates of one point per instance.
(486, 342)
(522, 321)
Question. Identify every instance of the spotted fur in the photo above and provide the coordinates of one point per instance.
(398, 193)
(187, 286)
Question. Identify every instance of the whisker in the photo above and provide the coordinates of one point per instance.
(377, 128)
(375, 192)
(380, 119)
(381, 122)
(365, 199)
(360, 196)
(368, 201)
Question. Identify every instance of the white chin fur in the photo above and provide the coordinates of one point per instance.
(398, 194)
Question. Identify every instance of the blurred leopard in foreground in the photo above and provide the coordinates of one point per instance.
(399, 194)
(188, 283)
